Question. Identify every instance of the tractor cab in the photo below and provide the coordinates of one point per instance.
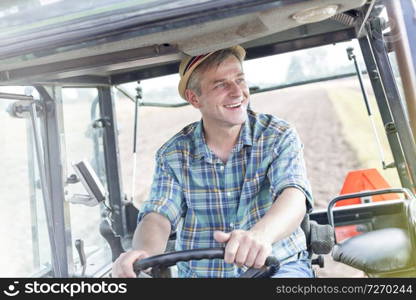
(88, 93)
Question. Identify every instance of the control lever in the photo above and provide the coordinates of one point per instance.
(112, 239)
(79, 244)
(271, 266)
(319, 261)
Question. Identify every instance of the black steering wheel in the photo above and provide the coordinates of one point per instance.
(160, 263)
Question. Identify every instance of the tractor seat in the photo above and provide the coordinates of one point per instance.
(378, 251)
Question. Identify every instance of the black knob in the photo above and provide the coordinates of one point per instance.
(319, 261)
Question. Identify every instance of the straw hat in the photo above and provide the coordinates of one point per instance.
(189, 64)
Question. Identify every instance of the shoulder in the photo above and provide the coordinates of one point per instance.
(272, 133)
(268, 125)
(178, 144)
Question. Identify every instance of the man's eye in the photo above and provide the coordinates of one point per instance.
(241, 80)
(219, 85)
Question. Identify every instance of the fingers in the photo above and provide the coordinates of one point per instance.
(221, 236)
(251, 257)
(123, 265)
(231, 249)
(261, 258)
(245, 248)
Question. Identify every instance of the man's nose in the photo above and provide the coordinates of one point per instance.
(235, 89)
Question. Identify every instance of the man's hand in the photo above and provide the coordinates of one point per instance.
(123, 265)
(151, 236)
(244, 248)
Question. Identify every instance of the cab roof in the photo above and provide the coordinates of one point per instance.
(113, 42)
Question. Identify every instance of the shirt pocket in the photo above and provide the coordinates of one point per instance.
(253, 186)
(255, 200)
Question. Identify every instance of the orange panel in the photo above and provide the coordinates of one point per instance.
(358, 181)
(364, 180)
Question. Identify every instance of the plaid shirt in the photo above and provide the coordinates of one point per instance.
(199, 194)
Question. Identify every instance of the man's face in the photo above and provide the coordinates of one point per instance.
(224, 94)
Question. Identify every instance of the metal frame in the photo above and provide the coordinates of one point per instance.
(112, 159)
(52, 135)
(409, 16)
(283, 86)
(385, 112)
(252, 53)
(75, 71)
(87, 65)
(8, 96)
(353, 214)
(32, 190)
(394, 102)
(332, 203)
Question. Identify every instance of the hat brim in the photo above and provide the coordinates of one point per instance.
(185, 78)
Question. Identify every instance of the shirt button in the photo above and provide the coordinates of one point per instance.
(229, 194)
(232, 225)
(222, 168)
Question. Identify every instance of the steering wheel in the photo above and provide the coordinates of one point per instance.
(160, 263)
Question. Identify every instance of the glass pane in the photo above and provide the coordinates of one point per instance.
(46, 10)
(83, 141)
(323, 65)
(155, 126)
(301, 66)
(23, 224)
(20, 15)
(158, 91)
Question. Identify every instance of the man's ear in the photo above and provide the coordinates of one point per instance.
(192, 98)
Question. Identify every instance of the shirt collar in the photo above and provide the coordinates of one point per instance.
(201, 148)
(246, 136)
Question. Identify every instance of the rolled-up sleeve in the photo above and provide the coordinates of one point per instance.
(166, 196)
(288, 167)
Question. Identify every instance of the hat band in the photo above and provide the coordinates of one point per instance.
(193, 61)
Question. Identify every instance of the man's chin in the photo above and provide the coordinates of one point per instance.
(238, 121)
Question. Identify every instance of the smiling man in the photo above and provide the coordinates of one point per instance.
(235, 179)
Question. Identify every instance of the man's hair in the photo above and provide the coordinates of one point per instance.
(214, 60)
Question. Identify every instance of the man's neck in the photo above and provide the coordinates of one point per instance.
(221, 140)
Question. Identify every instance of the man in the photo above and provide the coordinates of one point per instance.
(235, 179)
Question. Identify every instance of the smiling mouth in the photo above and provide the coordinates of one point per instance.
(235, 105)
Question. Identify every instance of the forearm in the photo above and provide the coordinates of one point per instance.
(283, 217)
(152, 234)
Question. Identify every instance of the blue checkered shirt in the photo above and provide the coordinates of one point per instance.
(199, 194)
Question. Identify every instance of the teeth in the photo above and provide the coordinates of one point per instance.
(233, 105)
